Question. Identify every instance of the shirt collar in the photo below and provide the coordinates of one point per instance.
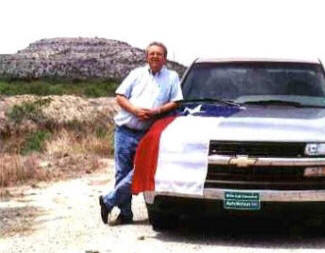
(158, 73)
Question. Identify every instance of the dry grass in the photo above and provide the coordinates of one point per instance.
(69, 152)
(15, 168)
(71, 142)
(43, 150)
(11, 144)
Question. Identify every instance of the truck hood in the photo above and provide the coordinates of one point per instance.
(273, 123)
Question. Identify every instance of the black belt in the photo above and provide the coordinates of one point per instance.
(132, 129)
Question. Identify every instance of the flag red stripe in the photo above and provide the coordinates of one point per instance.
(146, 157)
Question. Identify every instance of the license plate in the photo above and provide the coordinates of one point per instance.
(242, 200)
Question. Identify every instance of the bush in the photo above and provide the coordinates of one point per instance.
(29, 110)
(35, 141)
(101, 132)
(47, 87)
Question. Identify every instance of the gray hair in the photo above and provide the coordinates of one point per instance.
(159, 44)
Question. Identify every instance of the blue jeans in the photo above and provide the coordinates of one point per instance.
(126, 142)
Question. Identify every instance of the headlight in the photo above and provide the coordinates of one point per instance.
(315, 149)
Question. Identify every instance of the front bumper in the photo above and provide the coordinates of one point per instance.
(265, 195)
(289, 204)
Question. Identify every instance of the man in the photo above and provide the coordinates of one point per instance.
(144, 94)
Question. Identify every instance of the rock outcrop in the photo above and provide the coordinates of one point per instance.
(75, 59)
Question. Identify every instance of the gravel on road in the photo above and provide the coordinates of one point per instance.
(65, 217)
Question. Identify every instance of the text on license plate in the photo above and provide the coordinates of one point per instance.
(242, 200)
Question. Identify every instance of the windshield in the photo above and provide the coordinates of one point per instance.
(253, 81)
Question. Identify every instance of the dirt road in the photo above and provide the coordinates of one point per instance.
(64, 217)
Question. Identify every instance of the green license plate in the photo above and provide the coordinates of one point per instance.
(242, 200)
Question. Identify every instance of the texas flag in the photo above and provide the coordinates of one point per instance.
(173, 155)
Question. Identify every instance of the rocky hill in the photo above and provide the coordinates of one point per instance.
(75, 59)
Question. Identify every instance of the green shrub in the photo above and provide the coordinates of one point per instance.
(93, 92)
(29, 110)
(35, 141)
(101, 132)
(52, 87)
(110, 139)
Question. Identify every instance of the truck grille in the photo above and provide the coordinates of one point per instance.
(260, 177)
(257, 149)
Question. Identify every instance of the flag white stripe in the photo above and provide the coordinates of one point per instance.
(183, 154)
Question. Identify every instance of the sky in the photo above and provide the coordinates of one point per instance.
(190, 29)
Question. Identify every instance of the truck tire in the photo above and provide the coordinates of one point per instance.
(162, 221)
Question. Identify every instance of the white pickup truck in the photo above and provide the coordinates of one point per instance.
(269, 156)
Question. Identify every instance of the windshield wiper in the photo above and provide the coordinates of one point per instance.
(212, 100)
(280, 102)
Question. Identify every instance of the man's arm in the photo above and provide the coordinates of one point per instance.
(164, 108)
(141, 113)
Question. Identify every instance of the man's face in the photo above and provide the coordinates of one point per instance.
(156, 58)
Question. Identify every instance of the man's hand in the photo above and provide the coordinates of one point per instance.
(143, 114)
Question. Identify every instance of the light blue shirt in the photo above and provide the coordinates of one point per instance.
(145, 90)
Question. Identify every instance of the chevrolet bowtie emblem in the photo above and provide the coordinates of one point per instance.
(242, 161)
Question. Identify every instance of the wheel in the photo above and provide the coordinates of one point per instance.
(162, 221)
